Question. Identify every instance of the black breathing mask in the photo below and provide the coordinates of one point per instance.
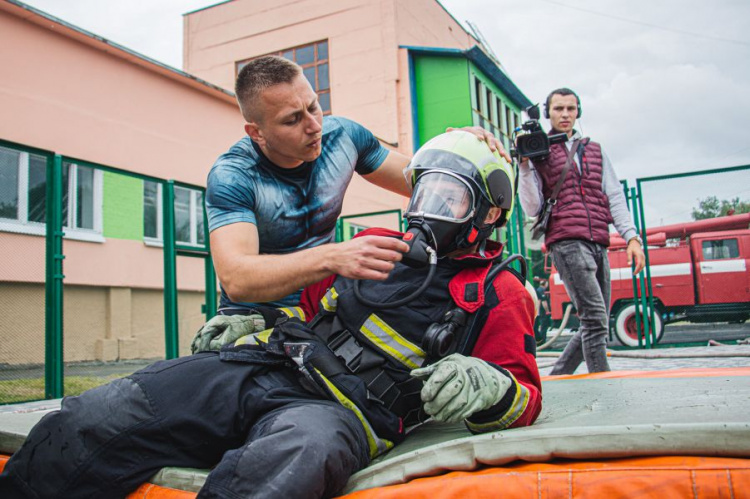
(437, 216)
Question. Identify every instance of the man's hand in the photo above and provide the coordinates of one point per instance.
(482, 134)
(635, 250)
(224, 329)
(458, 386)
(367, 257)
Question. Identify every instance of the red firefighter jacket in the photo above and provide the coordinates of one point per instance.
(505, 340)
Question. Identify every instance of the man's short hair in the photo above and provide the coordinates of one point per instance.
(561, 91)
(258, 75)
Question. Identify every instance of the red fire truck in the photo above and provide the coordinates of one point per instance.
(699, 273)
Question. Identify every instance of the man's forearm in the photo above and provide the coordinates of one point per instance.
(249, 276)
(262, 278)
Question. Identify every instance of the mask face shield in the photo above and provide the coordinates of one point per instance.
(443, 196)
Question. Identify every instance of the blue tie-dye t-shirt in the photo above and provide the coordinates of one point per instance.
(293, 209)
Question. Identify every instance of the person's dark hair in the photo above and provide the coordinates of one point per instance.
(258, 75)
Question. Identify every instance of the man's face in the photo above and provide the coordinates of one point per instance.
(290, 123)
(563, 111)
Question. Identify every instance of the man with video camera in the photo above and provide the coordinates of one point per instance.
(568, 182)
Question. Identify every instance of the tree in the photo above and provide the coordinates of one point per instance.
(711, 207)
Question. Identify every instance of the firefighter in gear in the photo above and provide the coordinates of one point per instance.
(296, 406)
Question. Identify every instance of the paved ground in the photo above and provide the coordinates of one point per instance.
(671, 355)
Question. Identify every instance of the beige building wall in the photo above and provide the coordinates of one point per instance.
(66, 91)
(102, 324)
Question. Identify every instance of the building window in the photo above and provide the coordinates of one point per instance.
(500, 118)
(315, 64)
(80, 207)
(353, 229)
(23, 184)
(483, 106)
(509, 119)
(188, 212)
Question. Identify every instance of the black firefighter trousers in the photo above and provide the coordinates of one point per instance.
(269, 436)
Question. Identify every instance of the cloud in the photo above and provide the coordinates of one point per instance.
(670, 119)
(664, 85)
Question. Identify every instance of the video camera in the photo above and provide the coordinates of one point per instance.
(531, 141)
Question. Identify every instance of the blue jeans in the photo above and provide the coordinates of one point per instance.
(584, 269)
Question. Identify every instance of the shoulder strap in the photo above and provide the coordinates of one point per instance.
(479, 317)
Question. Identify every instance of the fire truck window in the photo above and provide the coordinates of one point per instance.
(720, 250)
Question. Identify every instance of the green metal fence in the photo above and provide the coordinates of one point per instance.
(70, 205)
(668, 205)
(670, 296)
(55, 198)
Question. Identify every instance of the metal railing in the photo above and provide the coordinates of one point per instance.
(55, 255)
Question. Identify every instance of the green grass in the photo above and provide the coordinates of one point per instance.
(24, 390)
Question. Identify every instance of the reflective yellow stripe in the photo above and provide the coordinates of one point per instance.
(329, 301)
(264, 335)
(248, 339)
(253, 339)
(520, 401)
(393, 344)
(376, 444)
(295, 312)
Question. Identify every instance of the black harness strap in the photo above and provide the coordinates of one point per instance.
(479, 318)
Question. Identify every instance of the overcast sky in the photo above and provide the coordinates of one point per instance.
(664, 84)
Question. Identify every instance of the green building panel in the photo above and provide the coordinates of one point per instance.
(122, 209)
(443, 94)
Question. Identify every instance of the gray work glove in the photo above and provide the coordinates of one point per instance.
(458, 386)
(224, 329)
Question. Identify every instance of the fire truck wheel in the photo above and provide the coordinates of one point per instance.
(625, 326)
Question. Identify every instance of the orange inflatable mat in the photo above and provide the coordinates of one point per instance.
(662, 434)
(657, 477)
(145, 491)
(654, 477)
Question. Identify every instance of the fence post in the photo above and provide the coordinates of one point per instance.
(652, 309)
(171, 334)
(210, 309)
(645, 297)
(521, 232)
(210, 273)
(53, 285)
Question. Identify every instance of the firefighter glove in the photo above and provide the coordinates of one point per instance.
(224, 329)
(458, 386)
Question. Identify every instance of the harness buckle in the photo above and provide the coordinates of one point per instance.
(345, 347)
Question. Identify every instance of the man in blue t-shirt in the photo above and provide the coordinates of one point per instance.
(274, 197)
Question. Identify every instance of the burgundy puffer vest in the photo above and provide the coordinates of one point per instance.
(582, 209)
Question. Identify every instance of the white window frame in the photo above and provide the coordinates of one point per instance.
(158, 240)
(192, 207)
(22, 225)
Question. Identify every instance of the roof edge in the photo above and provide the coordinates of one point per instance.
(43, 19)
(207, 7)
(483, 62)
(456, 20)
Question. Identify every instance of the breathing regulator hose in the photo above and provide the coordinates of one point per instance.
(402, 301)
